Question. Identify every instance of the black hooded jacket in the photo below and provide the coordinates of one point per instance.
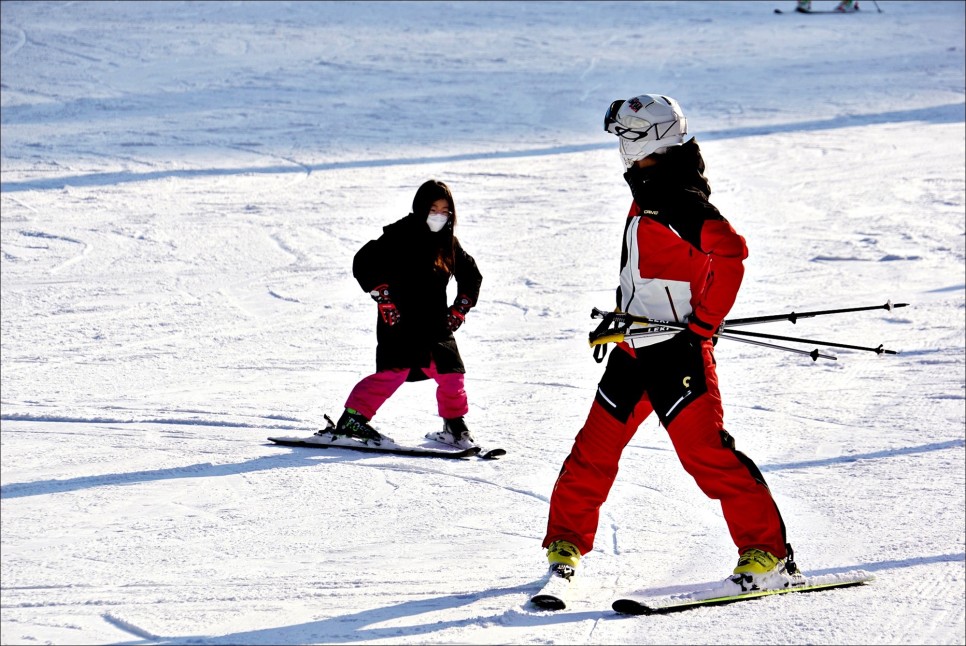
(681, 259)
(403, 258)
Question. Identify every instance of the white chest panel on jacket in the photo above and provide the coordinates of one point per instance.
(650, 296)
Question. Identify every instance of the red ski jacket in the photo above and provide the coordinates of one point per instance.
(681, 259)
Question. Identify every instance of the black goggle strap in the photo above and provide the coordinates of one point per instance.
(635, 135)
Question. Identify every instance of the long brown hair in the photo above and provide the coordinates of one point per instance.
(428, 193)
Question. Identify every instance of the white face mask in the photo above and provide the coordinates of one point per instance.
(437, 221)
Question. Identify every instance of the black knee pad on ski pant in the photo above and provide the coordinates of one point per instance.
(621, 387)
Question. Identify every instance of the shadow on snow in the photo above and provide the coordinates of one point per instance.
(294, 458)
(359, 626)
(845, 459)
(298, 457)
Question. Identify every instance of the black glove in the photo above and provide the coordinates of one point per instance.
(690, 338)
(457, 312)
(387, 309)
(695, 324)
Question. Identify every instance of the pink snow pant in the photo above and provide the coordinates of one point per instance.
(373, 391)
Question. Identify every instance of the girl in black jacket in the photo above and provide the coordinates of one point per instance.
(406, 271)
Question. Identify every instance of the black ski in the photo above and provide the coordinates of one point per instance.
(555, 592)
(547, 601)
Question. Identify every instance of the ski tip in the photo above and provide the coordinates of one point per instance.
(548, 602)
(493, 454)
(631, 607)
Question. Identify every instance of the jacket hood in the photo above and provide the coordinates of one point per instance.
(412, 228)
(411, 224)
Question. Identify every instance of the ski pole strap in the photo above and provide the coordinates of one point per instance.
(600, 351)
(603, 334)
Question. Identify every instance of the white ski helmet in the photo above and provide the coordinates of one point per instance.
(645, 125)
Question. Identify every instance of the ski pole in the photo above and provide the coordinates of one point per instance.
(759, 335)
(814, 354)
(793, 316)
(604, 334)
(876, 6)
(623, 317)
(617, 336)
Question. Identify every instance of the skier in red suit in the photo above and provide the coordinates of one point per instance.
(681, 261)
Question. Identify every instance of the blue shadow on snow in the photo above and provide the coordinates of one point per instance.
(291, 458)
(296, 457)
(875, 455)
(355, 627)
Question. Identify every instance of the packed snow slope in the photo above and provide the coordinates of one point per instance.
(184, 186)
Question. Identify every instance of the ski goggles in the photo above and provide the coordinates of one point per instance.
(642, 128)
(614, 126)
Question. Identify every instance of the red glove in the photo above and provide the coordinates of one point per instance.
(457, 313)
(387, 309)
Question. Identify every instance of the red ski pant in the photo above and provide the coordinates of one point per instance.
(679, 381)
(373, 391)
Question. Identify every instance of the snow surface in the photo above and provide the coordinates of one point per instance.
(184, 185)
